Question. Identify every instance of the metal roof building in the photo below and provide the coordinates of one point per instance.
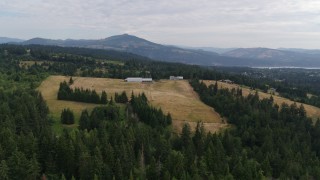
(176, 77)
(138, 79)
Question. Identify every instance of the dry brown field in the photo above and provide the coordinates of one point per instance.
(176, 97)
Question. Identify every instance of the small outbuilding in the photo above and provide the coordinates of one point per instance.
(176, 77)
(227, 81)
(272, 91)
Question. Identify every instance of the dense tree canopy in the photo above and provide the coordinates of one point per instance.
(80, 95)
(67, 116)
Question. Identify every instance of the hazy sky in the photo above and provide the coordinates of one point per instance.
(215, 23)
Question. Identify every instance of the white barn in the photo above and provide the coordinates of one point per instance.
(138, 79)
(146, 79)
(176, 77)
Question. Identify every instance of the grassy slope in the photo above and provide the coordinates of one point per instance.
(49, 89)
(176, 97)
(312, 111)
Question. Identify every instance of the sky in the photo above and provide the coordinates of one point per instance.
(198, 23)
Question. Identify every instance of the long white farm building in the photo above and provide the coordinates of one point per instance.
(138, 79)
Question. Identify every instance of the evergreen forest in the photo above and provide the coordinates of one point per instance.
(263, 141)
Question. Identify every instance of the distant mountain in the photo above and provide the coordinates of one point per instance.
(204, 56)
(306, 51)
(210, 49)
(42, 41)
(276, 57)
(4, 40)
(136, 45)
(260, 53)
(217, 50)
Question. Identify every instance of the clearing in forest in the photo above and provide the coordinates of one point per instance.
(312, 111)
(176, 97)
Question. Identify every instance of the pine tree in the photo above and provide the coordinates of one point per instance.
(33, 169)
(302, 111)
(198, 138)
(118, 170)
(18, 165)
(166, 176)
(124, 97)
(98, 163)
(131, 176)
(71, 81)
(85, 166)
(4, 170)
(169, 119)
(185, 135)
(152, 172)
(67, 116)
(103, 99)
(84, 122)
(95, 177)
(111, 101)
(215, 88)
(116, 97)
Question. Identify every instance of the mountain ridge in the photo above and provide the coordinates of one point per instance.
(233, 57)
(4, 40)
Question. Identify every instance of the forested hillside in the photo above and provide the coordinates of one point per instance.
(265, 140)
(301, 85)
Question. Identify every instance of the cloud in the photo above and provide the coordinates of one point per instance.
(229, 23)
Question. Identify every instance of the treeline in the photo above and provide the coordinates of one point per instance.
(87, 95)
(291, 83)
(121, 98)
(12, 77)
(81, 95)
(98, 115)
(148, 114)
(280, 140)
(67, 116)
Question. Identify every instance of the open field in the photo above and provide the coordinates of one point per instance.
(30, 63)
(312, 111)
(176, 97)
(49, 89)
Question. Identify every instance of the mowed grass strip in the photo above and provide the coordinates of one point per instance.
(312, 111)
(176, 97)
